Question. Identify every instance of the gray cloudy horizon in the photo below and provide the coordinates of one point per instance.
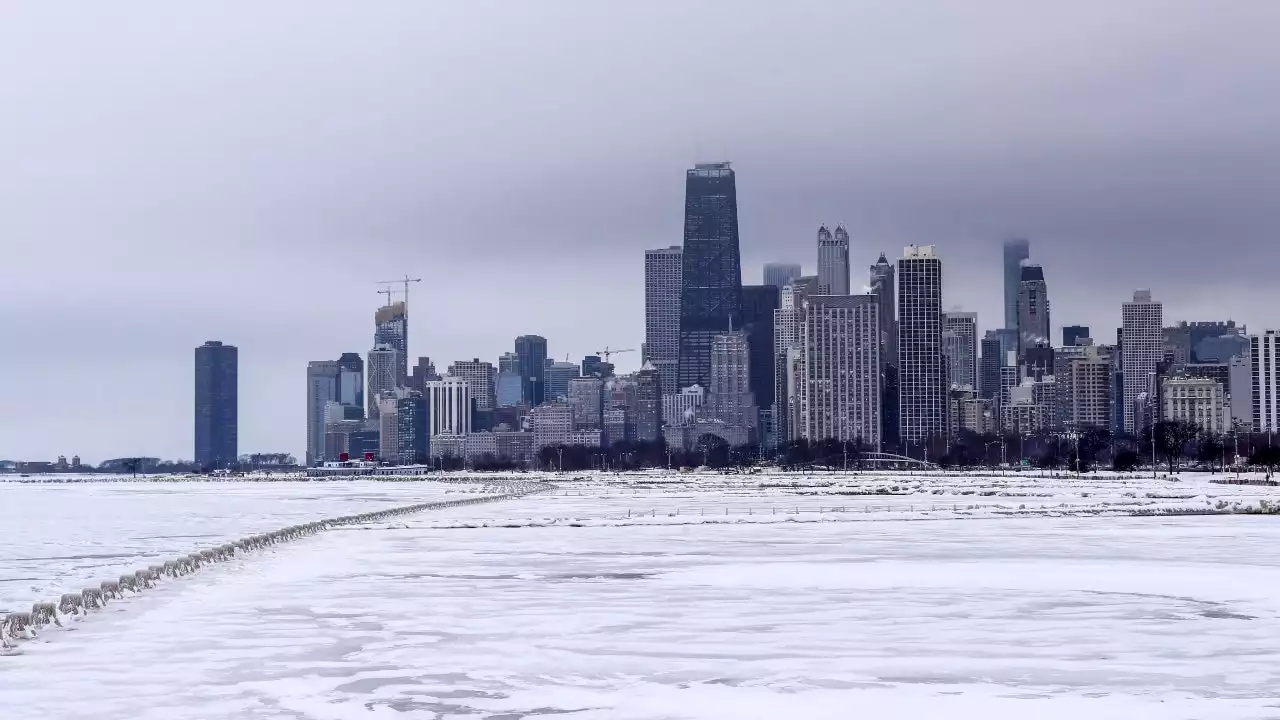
(246, 172)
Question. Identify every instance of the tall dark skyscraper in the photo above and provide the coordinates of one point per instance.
(1015, 251)
(884, 289)
(531, 354)
(1071, 333)
(921, 372)
(216, 404)
(989, 364)
(1033, 309)
(711, 275)
(350, 386)
(758, 304)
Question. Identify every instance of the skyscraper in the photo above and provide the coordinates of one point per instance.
(1072, 333)
(350, 388)
(1015, 251)
(662, 288)
(322, 389)
(711, 272)
(558, 376)
(480, 376)
(759, 302)
(1033, 309)
(922, 398)
(413, 435)
(989, 366)
(1143, 323)
(382, 366)
(1264, 365)
(531, 361)
(780, 274)
(449, 406)
(216, 400)
(840, 386)
(788, 337)
(391, 328)
(833, 261)
(882, 287)
(1090, 404)
(648, 414)
(960, 345)
(586, 397)
(731, 381)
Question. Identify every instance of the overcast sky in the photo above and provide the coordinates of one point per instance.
(174, 172)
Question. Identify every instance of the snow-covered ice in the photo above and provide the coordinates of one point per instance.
(560, 604)
(61, 537)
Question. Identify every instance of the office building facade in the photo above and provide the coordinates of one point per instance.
(833, 261)
(922, 401)
(216, 405)
(840, 369)
(1143, 348)
(711, 272)
(531, 363)
(960, 346)
(663, 269)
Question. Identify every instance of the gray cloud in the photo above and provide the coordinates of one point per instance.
(247, 171)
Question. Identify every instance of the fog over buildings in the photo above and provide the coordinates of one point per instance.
(249, 172)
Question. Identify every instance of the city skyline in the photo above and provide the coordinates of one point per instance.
(236, 237)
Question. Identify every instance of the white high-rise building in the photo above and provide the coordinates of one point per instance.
(833, 261)
(1142, 347)
(480, 375)
(1264, 365)
(680, 408)
(922, 398)
(960, 345)
(662, 274)
(840, 369)
(788, 333)
(448, 406)
(1196, 400)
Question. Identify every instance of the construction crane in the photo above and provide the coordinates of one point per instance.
(387, 292)
(606, 353)
(406, 280)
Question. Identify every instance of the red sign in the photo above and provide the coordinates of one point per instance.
(368, 457)
(343, 457)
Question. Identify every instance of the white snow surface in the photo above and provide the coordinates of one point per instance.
(888, 606)
(62, 537)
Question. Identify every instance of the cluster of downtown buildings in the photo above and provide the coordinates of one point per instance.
(795, 358)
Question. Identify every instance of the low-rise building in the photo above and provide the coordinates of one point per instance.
(1198, 401)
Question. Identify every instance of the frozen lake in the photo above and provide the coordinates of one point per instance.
(562, 605)
(62, 537)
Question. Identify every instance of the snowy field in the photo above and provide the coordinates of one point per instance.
(62, 537)
(571, 603)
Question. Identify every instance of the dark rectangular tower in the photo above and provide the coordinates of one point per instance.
(531, 354)
(711, 273)
(758, 304)
(216, 405)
